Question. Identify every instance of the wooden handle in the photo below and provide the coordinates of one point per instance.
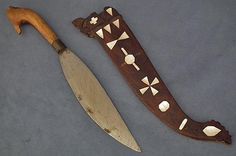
(19, 16)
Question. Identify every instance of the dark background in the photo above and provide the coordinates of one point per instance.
(190, 42)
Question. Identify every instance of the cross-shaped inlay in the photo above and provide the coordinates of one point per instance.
(130, 59)
(150, 85)
(93, 20)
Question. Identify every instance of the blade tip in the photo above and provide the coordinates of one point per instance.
(136, 148)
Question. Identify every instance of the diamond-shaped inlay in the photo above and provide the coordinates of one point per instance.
(211, 130)
(149, 85)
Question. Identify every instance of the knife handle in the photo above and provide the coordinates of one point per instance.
(19, 16)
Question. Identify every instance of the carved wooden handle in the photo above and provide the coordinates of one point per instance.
(19, 16)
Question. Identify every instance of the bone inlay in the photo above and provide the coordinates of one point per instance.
(130, 59)
(123, 36)
(111, 44)
(100, 33)
(93, 20)
(108, 28)
(146, 81)
(211, 130)
(164, 106)
(183, 124)
(109, 11)
(117, 23)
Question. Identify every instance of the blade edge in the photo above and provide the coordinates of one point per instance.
(80, 79)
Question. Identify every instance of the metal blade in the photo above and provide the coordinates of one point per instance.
(94, 99)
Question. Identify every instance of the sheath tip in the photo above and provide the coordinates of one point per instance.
(223, 135)
(78, 22)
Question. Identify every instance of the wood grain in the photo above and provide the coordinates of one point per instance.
(19, 16)
(144, 80)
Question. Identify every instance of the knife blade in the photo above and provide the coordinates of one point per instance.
(83, 83)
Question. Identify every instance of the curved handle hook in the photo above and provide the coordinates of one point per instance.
(19, 16)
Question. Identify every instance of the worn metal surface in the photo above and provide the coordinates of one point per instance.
(84, 84)
(191, 44)
(94, 99)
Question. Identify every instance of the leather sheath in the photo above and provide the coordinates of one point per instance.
(110, 29)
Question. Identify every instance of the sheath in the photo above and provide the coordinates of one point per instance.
(110, 29)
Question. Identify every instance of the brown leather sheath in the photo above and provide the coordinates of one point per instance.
(119, 42)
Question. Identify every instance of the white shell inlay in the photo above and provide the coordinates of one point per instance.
(123, 36)
(130, 59)
(100, 33)
(109, 11)
(108, 28)
(143, 90)
(112, 44)
(146, 81)
(117, 23)
(164, 106)
(211, 130)
(154, 91)
(155, 81)
(183, 124)
(93, 20)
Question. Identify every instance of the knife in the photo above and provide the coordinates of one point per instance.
(83, 83)
(130, 58)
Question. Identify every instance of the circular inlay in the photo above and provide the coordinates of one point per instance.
(129, 59)
(164, 106)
